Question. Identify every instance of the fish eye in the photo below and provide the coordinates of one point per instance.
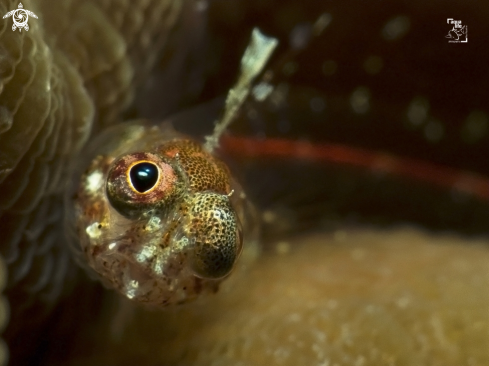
(143, 176)
(141, 182)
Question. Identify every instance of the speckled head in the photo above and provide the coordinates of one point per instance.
(159, 219)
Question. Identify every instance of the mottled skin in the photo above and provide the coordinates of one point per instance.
(171, 242)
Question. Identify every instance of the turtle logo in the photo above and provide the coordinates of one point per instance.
(20, 17)
(459, 33)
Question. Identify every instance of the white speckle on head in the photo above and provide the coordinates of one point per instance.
(147, 252)
(181, 243)
(434, 131)
(317, 104)
(94, 181)
(475, 127)
(131, 288)
(373, 65)
(154, 224)
(158, 266)
(360, 100)
(112, 246)
(93, 230)
(396, 28)
(329, 67)
(262, 91)
(418, 111)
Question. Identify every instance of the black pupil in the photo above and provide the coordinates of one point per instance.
(143, 176)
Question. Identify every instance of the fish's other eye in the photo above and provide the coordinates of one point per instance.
(216, 233)
(139, 182)
(144, 176)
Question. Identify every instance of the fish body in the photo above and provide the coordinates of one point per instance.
(157, 217)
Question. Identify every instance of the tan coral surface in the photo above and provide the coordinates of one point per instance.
(354, 297)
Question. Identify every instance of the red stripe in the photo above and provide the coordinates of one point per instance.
(438, 175)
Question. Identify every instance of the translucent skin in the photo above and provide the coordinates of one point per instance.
(170, 243)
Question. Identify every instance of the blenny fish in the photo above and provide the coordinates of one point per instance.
(159, 218)
(381, 90)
